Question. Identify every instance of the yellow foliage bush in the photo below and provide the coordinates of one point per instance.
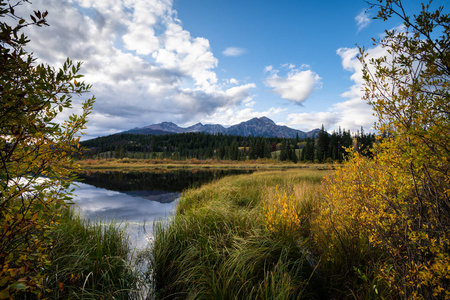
(288, 211)
(282, 214)
(399, 201)
(374, 201)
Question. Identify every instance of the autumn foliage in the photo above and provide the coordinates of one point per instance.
(398, 203)
(34, 152)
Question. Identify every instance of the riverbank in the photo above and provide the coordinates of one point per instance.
(91, 260)
(267, 235)
(242, 237)
(167, 164)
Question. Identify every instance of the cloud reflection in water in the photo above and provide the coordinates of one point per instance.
(138, 214)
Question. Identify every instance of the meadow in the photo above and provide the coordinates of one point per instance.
(240, 236)
(130, 164)
(252, 237)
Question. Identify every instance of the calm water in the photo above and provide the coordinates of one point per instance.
(137, 200)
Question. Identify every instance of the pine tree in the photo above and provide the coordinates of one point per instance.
(323, 145)
(283, 151)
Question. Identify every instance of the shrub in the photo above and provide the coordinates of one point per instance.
(33, 146)
(399, 201)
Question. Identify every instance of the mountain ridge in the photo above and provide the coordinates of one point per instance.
(262, 126)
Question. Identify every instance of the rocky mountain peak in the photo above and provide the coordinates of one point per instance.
(267, 120)
(255, 127)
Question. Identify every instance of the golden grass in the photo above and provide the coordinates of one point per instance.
(167, 164)
(256, 187)
(218, 245)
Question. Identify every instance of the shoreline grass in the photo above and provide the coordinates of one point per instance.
(250, 236)
(218, 245)
(91, 260)
(263, 236)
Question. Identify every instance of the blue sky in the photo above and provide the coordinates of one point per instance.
(280, 33)
(189, 61)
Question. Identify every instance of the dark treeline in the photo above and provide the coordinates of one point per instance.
(324, 147)
(167, 181)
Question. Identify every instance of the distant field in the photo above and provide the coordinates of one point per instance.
(164, 164)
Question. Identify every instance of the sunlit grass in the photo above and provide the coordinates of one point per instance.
(218, 245)
(127, 164)
(257, 237)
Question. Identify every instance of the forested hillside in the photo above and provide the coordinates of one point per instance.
(326, 147)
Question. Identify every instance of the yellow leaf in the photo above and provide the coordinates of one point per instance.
(34, 217)
(13, 272)
(4, 294)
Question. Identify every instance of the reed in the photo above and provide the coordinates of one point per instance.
(263, 236)
(91, 260)
(218, 245)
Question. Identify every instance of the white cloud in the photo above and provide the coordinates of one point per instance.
(233, 51)
(233, 115)
(191, 56)
(296, 86)
(232, 81)
(353, 112)
(310, 121)
(249, 102)
(144, 67)
(141, 39)
(362, 20)
(268, 69)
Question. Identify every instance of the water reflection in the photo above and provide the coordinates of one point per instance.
(153, 185)
(135, 213)
(137, 199)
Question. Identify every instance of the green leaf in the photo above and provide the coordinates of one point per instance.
(4, 280)
(18, 286)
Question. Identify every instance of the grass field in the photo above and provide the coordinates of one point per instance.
(166, 164)
(241, 237)
(266, 235)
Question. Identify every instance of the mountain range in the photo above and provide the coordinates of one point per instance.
(263, 127)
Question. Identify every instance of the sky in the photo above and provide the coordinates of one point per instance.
(214, 61)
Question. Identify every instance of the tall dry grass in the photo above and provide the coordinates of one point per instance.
(218, 245)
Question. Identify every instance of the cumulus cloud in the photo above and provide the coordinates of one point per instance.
(353, 112)
(296, 85)
(310, 121)
(141, 39)
(233, 51)
(144, 66)
(233, 115)
(362, 20)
